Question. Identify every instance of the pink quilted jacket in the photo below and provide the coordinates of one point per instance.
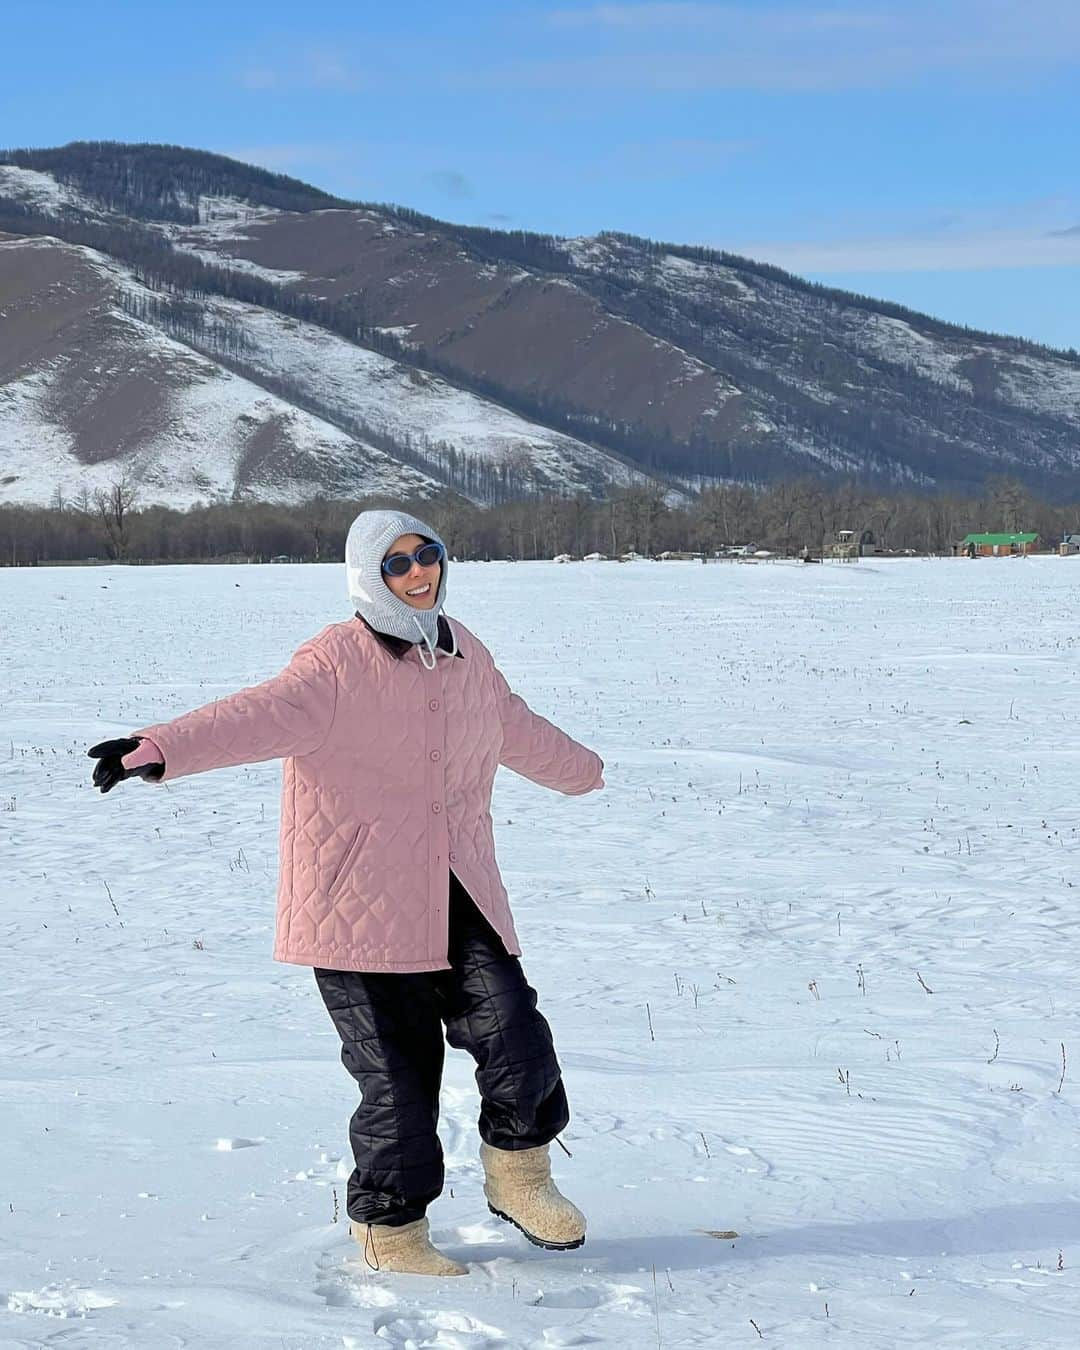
(387, 786)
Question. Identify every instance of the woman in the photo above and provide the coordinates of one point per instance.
(391, 726)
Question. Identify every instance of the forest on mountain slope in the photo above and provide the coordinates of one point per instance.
(898, 426)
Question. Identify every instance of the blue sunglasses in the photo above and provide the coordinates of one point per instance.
(400, 564)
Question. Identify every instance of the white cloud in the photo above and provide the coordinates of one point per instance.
(699, 17)
(692, 45)
(795, 48)
(308, 68)
(952, 252)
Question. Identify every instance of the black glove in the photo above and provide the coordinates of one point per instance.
(108, 771)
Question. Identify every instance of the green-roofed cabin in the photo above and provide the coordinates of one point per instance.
(998, 545)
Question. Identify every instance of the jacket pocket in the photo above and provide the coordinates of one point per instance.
(347, 859)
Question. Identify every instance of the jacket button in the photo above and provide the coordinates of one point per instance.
(453, 857)
(434, 705)
(436, 807)
(436, 755)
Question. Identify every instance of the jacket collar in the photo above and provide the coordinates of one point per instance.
(397, 647)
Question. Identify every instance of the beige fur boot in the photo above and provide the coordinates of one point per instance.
(519, 1188)
(403, 1251)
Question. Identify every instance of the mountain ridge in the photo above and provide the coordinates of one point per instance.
(67, 157)
(679, 364)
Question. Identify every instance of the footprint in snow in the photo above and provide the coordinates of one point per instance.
(610, 1297)
(439, 1331)
(340, 1288)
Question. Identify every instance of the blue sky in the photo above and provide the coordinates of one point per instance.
(923, 152)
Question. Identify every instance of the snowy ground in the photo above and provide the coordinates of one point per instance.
(835, 866)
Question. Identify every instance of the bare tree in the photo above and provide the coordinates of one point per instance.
(1010, 504)
(788, 501)
(113, 505)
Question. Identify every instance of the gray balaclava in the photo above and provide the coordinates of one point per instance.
(370, 535)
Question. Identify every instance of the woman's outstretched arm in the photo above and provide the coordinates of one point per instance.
(537, 749)
(290, 714)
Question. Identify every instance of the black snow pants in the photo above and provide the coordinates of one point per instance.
(391, 1028)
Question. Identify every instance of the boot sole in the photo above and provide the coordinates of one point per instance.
(537, 1242)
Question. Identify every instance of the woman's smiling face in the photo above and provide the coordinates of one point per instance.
(419, 586)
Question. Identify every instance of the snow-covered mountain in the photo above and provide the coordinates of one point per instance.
(496, 363)
(212, 399)
(91, 394)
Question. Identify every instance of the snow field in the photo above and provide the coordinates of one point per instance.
(809, 959)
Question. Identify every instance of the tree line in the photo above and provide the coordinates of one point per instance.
(785, 518)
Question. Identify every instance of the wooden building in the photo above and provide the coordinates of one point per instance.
(997, 545)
